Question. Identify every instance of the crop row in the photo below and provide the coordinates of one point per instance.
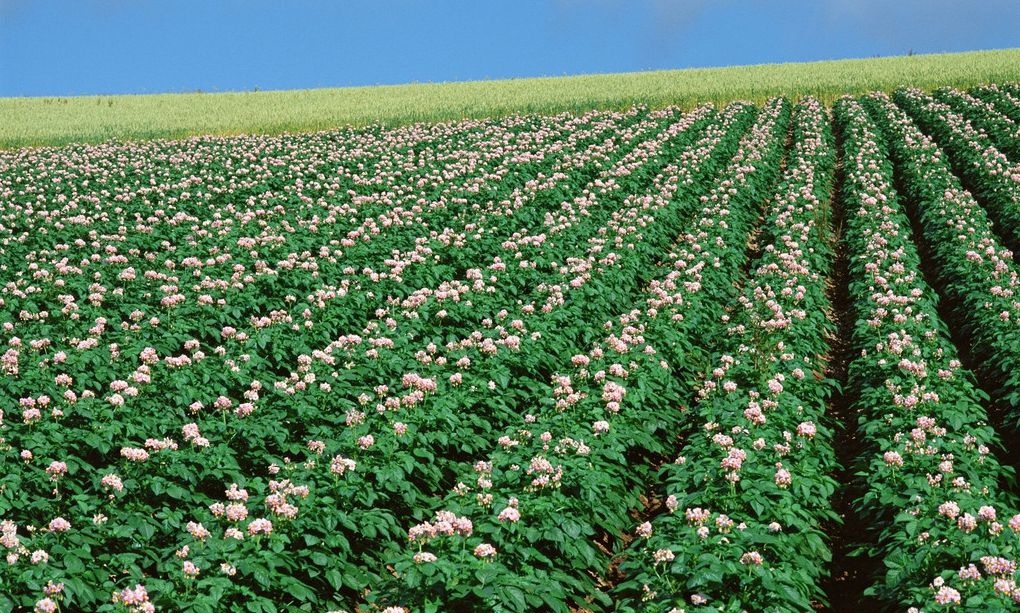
(985, 116)
(988, 173)
(933, 498)
(976, 272)
(560, 363)
(238, 442)
(1005, 98)
(745, 499)
(150, 498)
(554, 487)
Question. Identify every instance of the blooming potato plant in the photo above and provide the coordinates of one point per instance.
(745, 498)
(428, 399)
(529, 363)
(989, 174)
(566, 476)
(933, 495)
(1005, 98)
(140, 476)
(373, 517)
(986, 118)
(978, 274)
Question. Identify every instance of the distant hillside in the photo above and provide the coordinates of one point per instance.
(56, 121)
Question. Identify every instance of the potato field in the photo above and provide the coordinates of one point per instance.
(739, 358)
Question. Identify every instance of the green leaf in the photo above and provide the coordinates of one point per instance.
(73, 565)
(262, 577)
(335, 578)
(571, 528)
(515, 597)
(298, 590)
(146, 530)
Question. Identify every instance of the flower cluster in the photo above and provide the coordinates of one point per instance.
(932, 471)
(758, 461)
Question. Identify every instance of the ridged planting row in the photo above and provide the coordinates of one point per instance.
(545, 507)
(189, 290)
(976, 273)
(986, 118)
(1004, 97)
(988, 173)
(399, 411)
(354, 299)
(435, 269)
(228, 438)
(745, 499)
(451, 367)
(941, 522)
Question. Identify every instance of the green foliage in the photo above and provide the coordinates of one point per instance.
(536, 363)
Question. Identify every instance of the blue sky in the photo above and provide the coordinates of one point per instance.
(69, 47)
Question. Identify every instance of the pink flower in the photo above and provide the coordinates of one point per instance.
(752, 558)
(949, 509)
(52, 589)
(235, 512)
(645, 529)
(892, 458)
(783, 478)
(190, 570)
(986, 513)
(485, 550)
(59, 524)
(966, 522)
(112, 482)
(671, 503)
(969, 572)
(46, 605)
(947, 596)
(260, 526)
(236, 493)
(134, 454)
(340, 465)
(998, 566)
(1005, 586)
(198, 531)
(663, 555)
(366, 441)
(509, 514)
(806, 429)
(135, 597)
(190, 431)
(697, 515)
(233, 533)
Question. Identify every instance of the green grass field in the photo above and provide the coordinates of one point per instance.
(57, 121)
